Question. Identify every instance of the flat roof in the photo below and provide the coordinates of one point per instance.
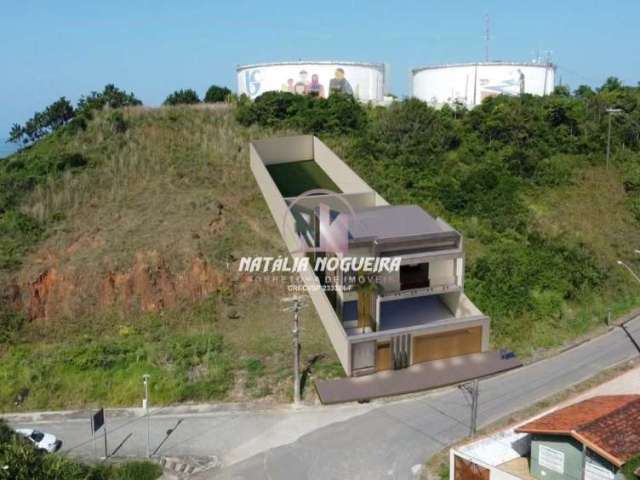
(312, 62)
(482, 64)
(397, 222)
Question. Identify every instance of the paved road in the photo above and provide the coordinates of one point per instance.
(388, 441)
(375, 441)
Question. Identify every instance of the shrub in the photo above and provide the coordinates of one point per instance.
(118, 123)
(138, 470)
(533, 275)
(628, 469)
(111, 96)
(10, 324)
(17, 232)
(182, 97)
(21, 461)
(485, 190)
(338, 114)
(216, 94)
(556, 170)
(412, 134)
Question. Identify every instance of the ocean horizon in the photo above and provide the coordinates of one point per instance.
(7, 149)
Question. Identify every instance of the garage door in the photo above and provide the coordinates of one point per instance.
(448, 344)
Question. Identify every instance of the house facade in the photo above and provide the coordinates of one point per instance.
(413, 313)
(589, 440)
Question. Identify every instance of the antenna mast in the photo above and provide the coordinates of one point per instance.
(487, 36)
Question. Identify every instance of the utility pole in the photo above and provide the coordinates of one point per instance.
(145, 405)
(296, 307)
(610, 111)
(473, 389)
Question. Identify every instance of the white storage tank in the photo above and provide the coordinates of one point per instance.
(470, 83)
(365, 81)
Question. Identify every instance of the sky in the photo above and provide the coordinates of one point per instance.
(69, 48)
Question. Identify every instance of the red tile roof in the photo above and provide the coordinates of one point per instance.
(608, 425)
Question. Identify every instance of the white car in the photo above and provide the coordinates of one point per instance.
(42, 441)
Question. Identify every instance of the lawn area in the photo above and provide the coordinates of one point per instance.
(294, 178)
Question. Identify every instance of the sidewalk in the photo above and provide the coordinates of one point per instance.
(229, 432)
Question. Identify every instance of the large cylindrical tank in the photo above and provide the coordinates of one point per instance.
(365, 81)
(470, 83)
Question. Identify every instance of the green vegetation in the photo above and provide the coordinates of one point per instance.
(21, 461)
(629, 468)
(120, 230)
(61, 112)
(217, 94)
(338, 114)
(182, 97)
(523, 179)
(294, 178)
(161, 210)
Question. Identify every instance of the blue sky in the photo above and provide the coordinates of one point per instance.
(49, 49)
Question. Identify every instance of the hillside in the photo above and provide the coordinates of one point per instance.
(118, 253)
(134, 272)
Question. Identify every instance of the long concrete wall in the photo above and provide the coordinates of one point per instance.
(279, 211)
(305, 147)
(341, 174)
(285, 149)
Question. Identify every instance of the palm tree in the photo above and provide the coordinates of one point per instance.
(367, 292)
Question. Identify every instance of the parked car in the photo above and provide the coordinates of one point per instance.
(43, 441)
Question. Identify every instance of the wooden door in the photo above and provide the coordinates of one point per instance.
(384, 358)
(448, 344)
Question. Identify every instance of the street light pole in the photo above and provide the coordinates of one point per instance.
(610, 111)
(145, 404)
(296, 351)
(297, 306)
(473, 389)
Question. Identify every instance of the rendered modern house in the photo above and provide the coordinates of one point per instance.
(417, 313)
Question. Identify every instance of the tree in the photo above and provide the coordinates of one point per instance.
(216, 94)
(182, 97)
(611, 84)
(16, 134)
(61, 113)
(58, 114)
(111, 96)
(562, 91)
(584, 91)
(413, 133)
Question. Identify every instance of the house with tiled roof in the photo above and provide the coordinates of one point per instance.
(590, 440)
(594, 439)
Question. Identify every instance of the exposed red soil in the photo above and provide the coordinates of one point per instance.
(148, 286)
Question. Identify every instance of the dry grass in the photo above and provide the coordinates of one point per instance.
(592, 211)
(177, 183)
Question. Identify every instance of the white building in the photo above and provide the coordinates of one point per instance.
(470, 83)
(365, 81)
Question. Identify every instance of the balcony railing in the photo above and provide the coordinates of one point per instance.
(438, 286)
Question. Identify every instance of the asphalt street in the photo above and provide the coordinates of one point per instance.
(389, 441)
(380, 440)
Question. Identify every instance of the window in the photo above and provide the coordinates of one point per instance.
(414, 276)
